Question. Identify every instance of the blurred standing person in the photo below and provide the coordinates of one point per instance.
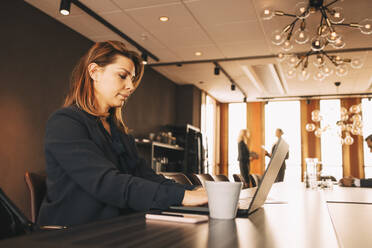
(245, 155)
(278, 133)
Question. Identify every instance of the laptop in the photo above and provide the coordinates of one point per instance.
(250, 204)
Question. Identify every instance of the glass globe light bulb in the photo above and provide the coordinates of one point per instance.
(326, 70)
(339, 43)
(357, 117)
(287, 45)
(366, 26)
(303, 75)
(317, 43)
(300, 10)
(301, 36)
(357, 123)
(310, 127)
(315, 112)
(316, 118)
(348, 140)
(341, 70)
(319, 76)
(267, 14)
(333, 36)
(354, 109)
(291, 73)
(344, 117)
(356, 63)
(318, 133)
(277, 38)
(292, 60)
(337, 15)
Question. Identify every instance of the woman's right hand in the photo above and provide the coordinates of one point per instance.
(195, 197)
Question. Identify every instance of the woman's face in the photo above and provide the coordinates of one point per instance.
(113, 83)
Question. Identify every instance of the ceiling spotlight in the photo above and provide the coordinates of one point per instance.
(144, 58)
(216, 70)
(164, 18)
(198, 53)
(233, 87)
(65, 6)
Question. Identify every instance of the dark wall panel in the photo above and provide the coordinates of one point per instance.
(152, 105)
(188, 105)
(38, 54)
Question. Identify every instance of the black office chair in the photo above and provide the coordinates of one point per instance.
(178, 177)
(220, 178)
(239, 178)
(204, 177)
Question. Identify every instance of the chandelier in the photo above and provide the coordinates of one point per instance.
(349, 123)
(325, 63)
(325, 35)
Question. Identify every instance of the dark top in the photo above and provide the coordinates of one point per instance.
(243, 152)
(88, 180)
(366, 183)
(286, 156)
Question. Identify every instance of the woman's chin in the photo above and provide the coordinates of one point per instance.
(118, 104)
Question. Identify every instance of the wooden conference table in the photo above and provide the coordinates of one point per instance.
(305, 220)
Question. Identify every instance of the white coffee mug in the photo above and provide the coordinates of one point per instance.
(223, 198)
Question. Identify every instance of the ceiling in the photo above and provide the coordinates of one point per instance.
(221, 29)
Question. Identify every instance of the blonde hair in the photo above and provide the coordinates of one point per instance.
(244, 135)
(81, 91)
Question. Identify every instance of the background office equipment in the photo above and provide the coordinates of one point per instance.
(181, 151)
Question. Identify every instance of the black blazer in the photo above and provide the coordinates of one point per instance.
(85, 181)
(367, 183)
(243, 152)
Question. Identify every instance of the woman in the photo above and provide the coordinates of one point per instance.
(244, 155)
(93, 168)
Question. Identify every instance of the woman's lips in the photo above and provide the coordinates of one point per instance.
(123, 96)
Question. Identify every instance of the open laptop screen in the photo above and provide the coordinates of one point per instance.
(268, 179)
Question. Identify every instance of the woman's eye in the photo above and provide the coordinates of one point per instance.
(123, 76)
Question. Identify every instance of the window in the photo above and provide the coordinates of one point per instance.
(285, 115)
(367, 130)
(208, 128)
(331, 148)
(237, 121)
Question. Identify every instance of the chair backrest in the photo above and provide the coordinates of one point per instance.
(204, 177)
(254, 179)
(220, 178)
(239, 178)
(36, 184)
(178, 177)
(194, 179)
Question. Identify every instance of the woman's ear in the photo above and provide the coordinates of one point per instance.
(93, 70)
